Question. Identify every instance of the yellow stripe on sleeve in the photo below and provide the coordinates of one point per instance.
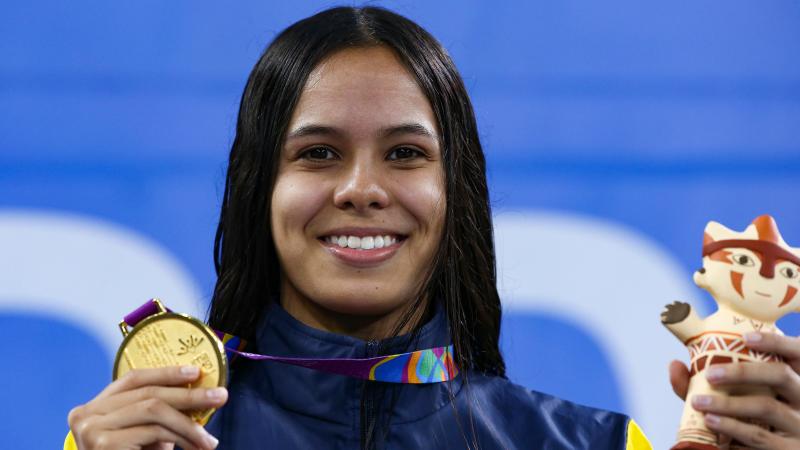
(69, 442)
(636, 440)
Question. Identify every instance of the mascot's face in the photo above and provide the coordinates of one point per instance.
(753, 272)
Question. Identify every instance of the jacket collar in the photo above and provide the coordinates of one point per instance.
(337, 398)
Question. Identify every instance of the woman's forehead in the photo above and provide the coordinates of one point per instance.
(364, 68)
(362, 90)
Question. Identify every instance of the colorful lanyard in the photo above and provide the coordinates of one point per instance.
(431, 365)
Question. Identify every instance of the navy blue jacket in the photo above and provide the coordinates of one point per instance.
(276, 406)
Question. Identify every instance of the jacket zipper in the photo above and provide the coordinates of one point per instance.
(369, 414)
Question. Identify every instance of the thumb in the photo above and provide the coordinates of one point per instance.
(679, 378)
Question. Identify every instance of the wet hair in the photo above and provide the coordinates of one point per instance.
(462, 275)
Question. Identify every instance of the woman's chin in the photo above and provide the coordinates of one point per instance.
(361, 306)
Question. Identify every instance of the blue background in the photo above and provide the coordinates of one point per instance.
(656, 116)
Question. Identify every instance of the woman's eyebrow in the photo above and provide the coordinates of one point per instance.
(408, 128)
(385, 132)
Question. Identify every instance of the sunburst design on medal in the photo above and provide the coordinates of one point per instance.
(189, 345)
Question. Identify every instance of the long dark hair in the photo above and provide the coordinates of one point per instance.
(462, 275)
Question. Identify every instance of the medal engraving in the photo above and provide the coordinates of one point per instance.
(151, 349)
(190, 345)
(169, 339)
(203, 361)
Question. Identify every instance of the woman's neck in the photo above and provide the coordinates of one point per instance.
(363, 326)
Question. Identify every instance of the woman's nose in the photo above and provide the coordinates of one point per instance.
(361, 187)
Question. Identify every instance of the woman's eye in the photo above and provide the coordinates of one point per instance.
(318, 153)
(743, 260)
(789, 273)
(403, 153)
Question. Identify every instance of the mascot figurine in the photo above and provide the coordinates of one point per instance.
(753, 277)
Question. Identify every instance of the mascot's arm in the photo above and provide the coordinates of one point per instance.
(682, 320)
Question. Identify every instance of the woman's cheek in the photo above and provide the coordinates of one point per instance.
(295, 201)
(423, 196)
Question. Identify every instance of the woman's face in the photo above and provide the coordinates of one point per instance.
(358, 203)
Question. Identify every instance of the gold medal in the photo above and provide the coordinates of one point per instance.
(170, 339)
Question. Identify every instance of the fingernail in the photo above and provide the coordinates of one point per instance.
(712, 420)
(715, 373)
(211, 440)
(190, 371)
(216, 393)
(701, 400)
(752, 337)
(208, 439)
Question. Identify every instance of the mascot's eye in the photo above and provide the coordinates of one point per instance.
(789, 273)
(743, 260)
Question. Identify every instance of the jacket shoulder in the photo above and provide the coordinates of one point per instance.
(555, 422)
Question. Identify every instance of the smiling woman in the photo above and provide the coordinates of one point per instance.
(355, 123)
(355, 224)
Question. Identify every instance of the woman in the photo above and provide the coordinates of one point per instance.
(355, 222)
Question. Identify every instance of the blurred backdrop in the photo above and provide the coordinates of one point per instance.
(614, 131)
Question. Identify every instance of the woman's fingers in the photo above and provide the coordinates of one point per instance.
(780, 377)
(766, 409)
(679, 378)
(180, 398)
(748, 434)
(160, 446)
(722, 411)
(164, 376)
(142, 410)
(785, 346)
(155, 410)
(144, 436)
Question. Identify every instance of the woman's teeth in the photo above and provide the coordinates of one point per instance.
(362, 243)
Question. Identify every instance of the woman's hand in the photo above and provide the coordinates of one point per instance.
(722, 413)
(142, 410)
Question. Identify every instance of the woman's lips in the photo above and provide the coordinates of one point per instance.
(362, 258)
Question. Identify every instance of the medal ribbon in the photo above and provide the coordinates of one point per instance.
(431, 365)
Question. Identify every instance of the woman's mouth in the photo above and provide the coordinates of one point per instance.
(363, 251)
(364, 242)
